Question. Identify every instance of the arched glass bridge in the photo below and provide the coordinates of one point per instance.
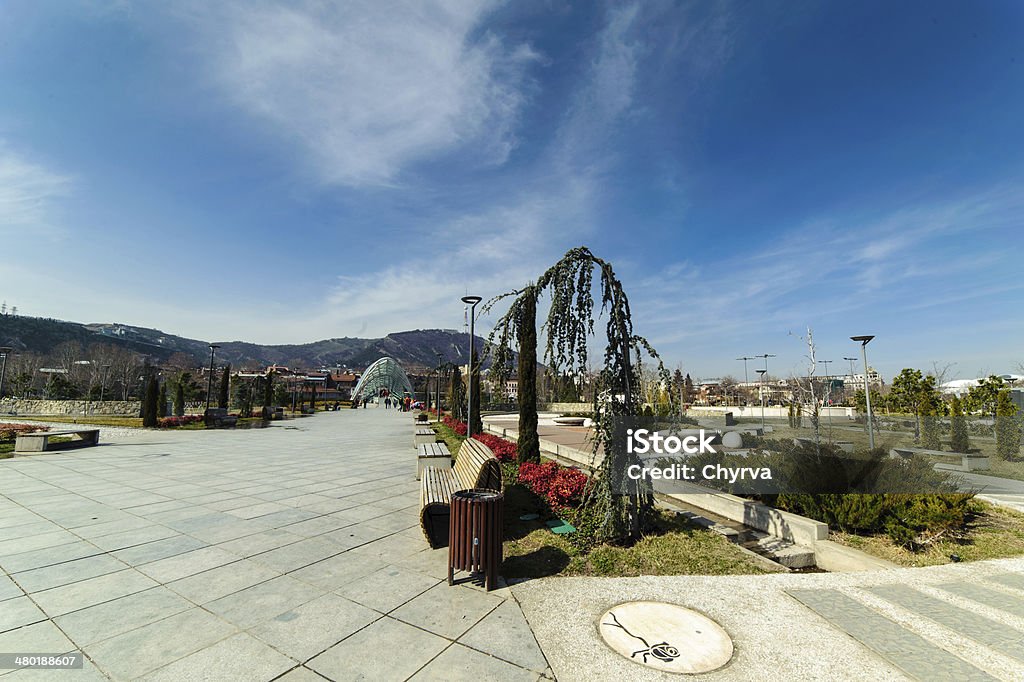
(385, 373)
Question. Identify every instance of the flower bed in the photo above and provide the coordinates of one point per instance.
(171, 422)
(455, 425)
(11, 431)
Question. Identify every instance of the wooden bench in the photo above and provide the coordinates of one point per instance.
(423, 436)
(959, 461)
(475, 467)
(432, 455)
(40, 441)
(219, 417)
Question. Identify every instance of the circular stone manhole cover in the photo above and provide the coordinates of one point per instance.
(666, 637)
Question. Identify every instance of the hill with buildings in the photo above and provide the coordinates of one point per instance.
(415, 350)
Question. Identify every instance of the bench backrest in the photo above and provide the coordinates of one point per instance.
(476, 466)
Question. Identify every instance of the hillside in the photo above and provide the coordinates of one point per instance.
(415, 350)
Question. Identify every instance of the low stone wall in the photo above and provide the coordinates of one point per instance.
(575, 408)
(754, 412)
(14, 407)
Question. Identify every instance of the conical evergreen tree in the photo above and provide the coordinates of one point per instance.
(526, 326)
(149, 403)
(225, 387)
(959, 440)
(161, 402)
(179, 399)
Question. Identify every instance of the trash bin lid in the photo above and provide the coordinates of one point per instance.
(477, 494)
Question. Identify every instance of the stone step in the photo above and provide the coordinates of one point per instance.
(919, 628)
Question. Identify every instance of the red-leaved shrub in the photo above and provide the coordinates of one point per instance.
(455, 425)
(559, 486)
(170, 422)
(504, 450)
(11, 431)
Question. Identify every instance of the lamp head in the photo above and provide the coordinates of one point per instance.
(471, 300)
(863, 339)
(214, 346)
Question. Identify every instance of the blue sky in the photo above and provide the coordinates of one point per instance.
(285, 172)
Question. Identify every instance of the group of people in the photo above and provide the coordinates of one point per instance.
(403, 404)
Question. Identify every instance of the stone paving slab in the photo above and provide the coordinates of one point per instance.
(367, 655)
(905, 650)
(981, 594)
(991, 633)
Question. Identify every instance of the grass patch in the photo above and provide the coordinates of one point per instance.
(992, 532)
(6, 450)
(135, 422)
(671, 547)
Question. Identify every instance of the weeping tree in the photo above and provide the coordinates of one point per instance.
(621, 505)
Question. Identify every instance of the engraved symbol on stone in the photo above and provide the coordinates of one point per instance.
(663, 651)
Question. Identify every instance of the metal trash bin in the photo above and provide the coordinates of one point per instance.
(475, 534)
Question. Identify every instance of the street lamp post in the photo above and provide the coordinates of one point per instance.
(209, 381)
(437, 388)
(746, 377)
(829, 408)
(851, 361)
(762, 372)
(3, 368)
(471, 301)
(764, 375)
(864, 340)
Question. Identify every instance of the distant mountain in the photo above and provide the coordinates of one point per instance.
(415, 350)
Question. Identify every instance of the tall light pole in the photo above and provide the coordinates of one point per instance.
(209, 381)
(762, 372)
(437, 387)
(471, 301)
(864, 340)
(746, 377)
(3, 368)
(852, 374)
(764, 376)
(829, 408)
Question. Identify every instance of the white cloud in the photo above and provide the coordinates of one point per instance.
(28, 196)
(896, 262)
(366, 89)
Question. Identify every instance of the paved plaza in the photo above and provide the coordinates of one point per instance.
(288, 553)
(295, 553)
